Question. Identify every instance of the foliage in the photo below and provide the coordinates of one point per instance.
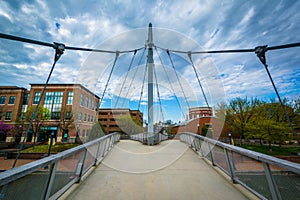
(204, 130)
(259, 119)
(96, 132)
(4, 130)
(276, 150)
(43, 148)
(239, 113)
(66, 121)
(129, 125)
(41, 116)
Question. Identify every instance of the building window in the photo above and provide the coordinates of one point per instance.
(53, 102)
(8, 115)
(37, 97)
(70, 98)
(68, 115)
(25, 99)
(92, 104)
(97, 105)
(92, 119)
(12, 100)
(2, 99)
(79, 116)
(84, 117)
(88, 118)
(55, 115)
(81, 99)
(87, 102)
(1, 114)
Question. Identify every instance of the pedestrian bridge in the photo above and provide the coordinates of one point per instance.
(188, 167)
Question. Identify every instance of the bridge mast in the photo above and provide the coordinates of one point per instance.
(150, 65)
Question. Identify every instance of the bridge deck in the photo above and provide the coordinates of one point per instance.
(167, 171)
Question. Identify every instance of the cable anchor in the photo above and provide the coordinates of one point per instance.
(59, 50)
(260, 51)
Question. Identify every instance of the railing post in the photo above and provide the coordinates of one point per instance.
(97, 153)
(271, 183)
(47, 190)
(211, 155)
(230, 165)
(104, 149)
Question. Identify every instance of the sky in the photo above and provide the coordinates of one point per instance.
(177, 25)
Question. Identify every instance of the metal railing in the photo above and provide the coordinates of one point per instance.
(148, 138)
(50, 177)
(265, 176)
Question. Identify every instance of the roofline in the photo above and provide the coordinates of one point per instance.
(65, 84)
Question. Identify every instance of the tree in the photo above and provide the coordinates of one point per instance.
(38, 122)
(204, 130)
(239, 114)
(96, 132)
(129, 125)
(4, 130)
(66, 122)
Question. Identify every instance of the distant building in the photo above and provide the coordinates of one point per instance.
(67, 102)
(197, 112)
(107, 118)
(12, 99)
(73, 109)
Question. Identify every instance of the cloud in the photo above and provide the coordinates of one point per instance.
(180, 25)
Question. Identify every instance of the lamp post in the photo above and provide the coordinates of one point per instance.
(229, 136)
(51, 142)
(77, 139)
(198, 128)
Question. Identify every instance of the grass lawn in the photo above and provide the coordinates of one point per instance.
(276, 150)
(43, 148)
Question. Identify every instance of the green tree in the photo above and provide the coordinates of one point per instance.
(96, 132)
(239, 114)
(42, 115)
(269, 124)
(204, 130)
(66, 122)
(129, 125)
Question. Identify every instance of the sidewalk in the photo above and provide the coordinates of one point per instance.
(131, 171)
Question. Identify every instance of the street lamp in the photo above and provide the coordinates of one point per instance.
(198, 128)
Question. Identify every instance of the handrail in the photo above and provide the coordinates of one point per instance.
(14, 174)
(228, 160)
(294, 167)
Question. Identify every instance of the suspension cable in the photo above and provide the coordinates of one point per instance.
(169, 82)
(30, 41)
(112, 69)
(142, 89)
(285, 46)
(261, 54)
(200, 85)
(158, 95)
(59, 50)
(129, 67)
(178, 79)
(135, 71)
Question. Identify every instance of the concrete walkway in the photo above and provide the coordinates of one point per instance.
(167, 171)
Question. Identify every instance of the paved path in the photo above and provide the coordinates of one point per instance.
(167, 171)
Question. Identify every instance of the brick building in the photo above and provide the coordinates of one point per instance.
(73, 108)
(214, 125)
(107, 118)
(197, 112)
(12, 99)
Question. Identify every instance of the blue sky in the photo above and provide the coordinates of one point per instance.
(180, 25)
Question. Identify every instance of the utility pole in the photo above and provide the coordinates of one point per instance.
(150, 65)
